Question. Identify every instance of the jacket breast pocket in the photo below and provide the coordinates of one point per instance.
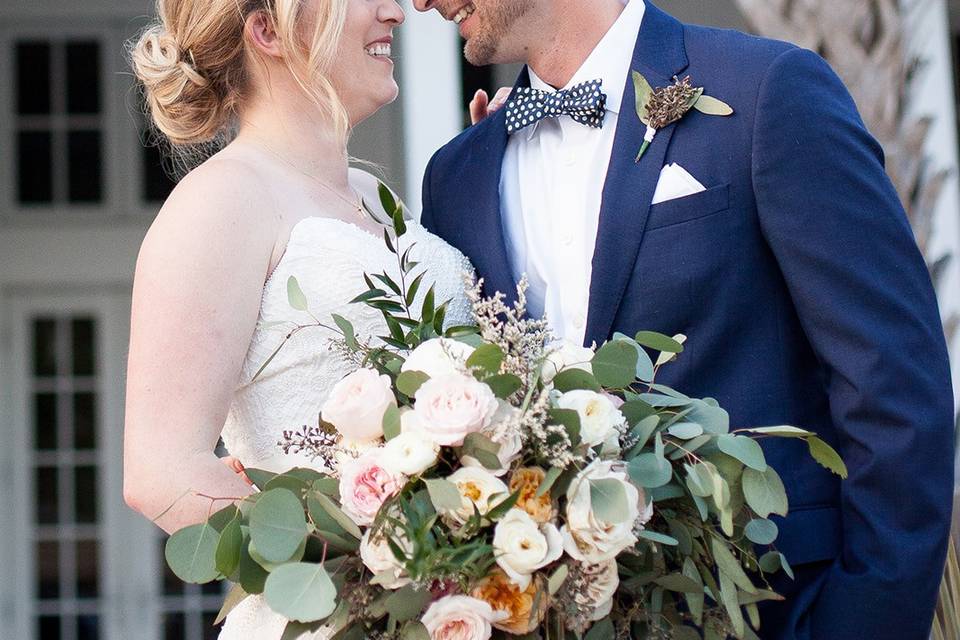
(689, 208)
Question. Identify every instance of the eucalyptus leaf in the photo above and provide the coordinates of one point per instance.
(685, 430)
(729, 566)
(658, 342)
(295, 295)
(301, 591)
(761, 531)
(277, 525)
(764, 492)
(337, 514)
(571, 379)
(409, 382)
(407, 603)
(615, 364)
(235, 596)
(487, 357)
(728, 595)
(712, 107)
(191, 553)
(642, 94)
(227, 555)
(551, 477)
(679, 582)
(504, 385)
(781, 432)
(650, 471)
(557, 578)
(391, 423)
(827, 456)
(608, 500)
(444, 494)
(659, 538)
(602, 630)
(746, 450)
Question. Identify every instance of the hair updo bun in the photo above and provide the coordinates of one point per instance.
(192, 66)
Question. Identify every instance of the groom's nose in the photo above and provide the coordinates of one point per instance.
(424, 5)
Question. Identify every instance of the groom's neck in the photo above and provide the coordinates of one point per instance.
(569, 32)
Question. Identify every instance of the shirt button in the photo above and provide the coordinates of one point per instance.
(566, 240)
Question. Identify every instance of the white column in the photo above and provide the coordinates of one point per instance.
(429, 76)
(928, 37)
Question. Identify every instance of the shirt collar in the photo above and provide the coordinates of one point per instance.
(607, 60)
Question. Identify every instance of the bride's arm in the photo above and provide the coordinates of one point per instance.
(196, 297)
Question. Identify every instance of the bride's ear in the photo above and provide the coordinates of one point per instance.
(262, 34)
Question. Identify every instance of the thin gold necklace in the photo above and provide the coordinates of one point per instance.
(356, 205)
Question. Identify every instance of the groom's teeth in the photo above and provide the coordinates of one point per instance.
(464, 13)
(379, 49)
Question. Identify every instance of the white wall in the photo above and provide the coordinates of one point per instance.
(929, 38)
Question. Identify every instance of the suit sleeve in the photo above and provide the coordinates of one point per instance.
(426, 211)
(864, 298)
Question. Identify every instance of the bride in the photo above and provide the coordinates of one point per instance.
(290, 78)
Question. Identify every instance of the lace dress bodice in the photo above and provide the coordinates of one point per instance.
(328, 257)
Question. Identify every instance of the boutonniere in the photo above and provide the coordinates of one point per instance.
(663, 106)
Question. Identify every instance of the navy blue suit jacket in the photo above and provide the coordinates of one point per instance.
(797, 279)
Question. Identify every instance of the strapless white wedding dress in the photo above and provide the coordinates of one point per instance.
(328, 257)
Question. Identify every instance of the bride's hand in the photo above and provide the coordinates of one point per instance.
(481, 106)
(237, 467)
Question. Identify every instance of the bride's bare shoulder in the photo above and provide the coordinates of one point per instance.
(224, 197)
(368, 186)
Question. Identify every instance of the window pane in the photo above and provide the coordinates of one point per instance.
(88, 627)
(33, 78)
(84, 421)
(83, 151)
(210, 632)
(48, 627)
(47, 512)
(85, 493)
(44, 347)
(83, 77)
(157, 185)
(45, 421)
(173, 626)
(34, 171)
(83, 346)
(48, 570)
(88, 569)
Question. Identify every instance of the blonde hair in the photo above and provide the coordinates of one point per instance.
(192, 66)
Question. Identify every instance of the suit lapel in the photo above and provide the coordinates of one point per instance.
(484, 240)
(629, 187)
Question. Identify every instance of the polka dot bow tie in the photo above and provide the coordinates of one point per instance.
(583, 102)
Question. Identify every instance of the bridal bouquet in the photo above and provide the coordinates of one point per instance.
(484, 481)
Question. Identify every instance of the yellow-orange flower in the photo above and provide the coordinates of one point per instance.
(502, 594)
(528, 480)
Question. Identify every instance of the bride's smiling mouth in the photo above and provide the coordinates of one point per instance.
(380, 49)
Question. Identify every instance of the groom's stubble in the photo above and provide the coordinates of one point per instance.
(497, 19)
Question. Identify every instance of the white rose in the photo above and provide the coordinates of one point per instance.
(460, 618)
(587, 538)
(502, 431)
(410, 453)
(599, 417)
(357, 403)
(438, 357)
(377, 556)
(566, 355)
(476, 486)
(522, 546)
(601, 582)
(450, 407)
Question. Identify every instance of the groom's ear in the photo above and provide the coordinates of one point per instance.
(262, 34)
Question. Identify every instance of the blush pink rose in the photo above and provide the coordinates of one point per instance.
(365, 484)
(460, 618)
(357, 404)
(450, 407)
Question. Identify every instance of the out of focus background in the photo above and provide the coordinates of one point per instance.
(78, 190)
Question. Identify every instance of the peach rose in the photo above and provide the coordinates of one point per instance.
(528, 480)
(503, 595)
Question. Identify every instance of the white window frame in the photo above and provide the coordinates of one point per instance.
(122, 170)
(129, 585)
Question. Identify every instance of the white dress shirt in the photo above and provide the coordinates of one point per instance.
(551, 185)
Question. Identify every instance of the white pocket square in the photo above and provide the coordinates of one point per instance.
(675, 182)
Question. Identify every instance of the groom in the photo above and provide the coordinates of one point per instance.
(771, 237)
